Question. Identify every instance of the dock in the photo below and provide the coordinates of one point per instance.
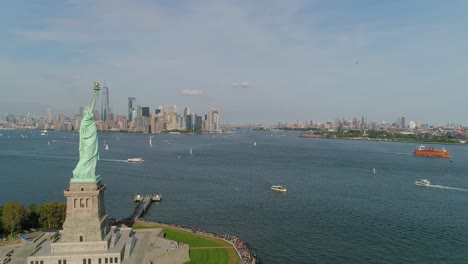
(144, 201)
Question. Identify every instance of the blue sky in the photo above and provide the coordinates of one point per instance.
(255, 61)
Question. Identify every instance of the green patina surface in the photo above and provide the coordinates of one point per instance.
(85, 170)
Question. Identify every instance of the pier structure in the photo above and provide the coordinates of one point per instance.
(144, 202)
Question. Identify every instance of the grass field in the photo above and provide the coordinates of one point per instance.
(203, 250)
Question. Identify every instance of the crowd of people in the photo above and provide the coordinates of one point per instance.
(247, 256)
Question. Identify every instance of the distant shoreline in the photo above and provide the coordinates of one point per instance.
(383, 140)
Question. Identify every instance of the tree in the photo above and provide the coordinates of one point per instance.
(32, 217)
(1, 223)
(13, 214)
(52, 214)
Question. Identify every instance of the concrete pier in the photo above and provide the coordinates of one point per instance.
(141, 208)
(144, 202)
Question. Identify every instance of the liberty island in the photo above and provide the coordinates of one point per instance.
(87, 236)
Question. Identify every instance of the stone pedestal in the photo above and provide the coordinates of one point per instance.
(86, 219)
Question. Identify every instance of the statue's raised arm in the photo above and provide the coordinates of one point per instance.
(85, 170)
(96, 94)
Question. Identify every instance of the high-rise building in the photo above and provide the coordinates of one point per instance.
(171, 109)
(212, 120)
(105, 103)
(49, 116)
(145, 111)
(188, 122)
(187, 111)
(403, 122)
(198, 123)
(138, 112)
(131, 101)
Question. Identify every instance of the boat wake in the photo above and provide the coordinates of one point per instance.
(66, 142)
(448, 188)
(113, 160)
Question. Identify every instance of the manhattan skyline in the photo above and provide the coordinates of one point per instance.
(258, 62)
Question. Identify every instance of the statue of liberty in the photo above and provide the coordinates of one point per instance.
(85, 170)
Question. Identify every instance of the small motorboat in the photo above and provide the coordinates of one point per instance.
(423, 183)
(136, 160)
(278, 188)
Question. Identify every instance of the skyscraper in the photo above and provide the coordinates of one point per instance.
(212, 120)
(49, 116)
(105, 103)
(138, 112)
(187, 111)
(171, 109)
(145, 111)
(188, 122)
(130, 108)
(198, 123)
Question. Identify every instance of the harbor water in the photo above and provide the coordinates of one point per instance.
(334, 211)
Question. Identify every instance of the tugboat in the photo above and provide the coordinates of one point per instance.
(432, 152)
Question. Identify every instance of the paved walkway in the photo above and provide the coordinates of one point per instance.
(207, 247)
(20, 254)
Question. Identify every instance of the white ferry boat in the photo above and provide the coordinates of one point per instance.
(423, 183)
(278, 188)
(136, 160)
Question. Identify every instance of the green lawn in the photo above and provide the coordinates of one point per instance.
(213, 256)
(198, 255)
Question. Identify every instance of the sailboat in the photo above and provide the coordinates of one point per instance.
(106, 146)
(190, 151)
(374, 172)
(150, 143)
(255, 143)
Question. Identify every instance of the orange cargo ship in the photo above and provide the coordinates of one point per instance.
(432, 152)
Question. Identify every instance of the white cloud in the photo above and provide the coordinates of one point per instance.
(148, 50)
(192, 92)
(241, 85)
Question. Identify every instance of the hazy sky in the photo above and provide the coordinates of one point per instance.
(255, 61)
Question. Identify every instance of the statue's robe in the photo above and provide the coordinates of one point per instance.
(89, 155)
